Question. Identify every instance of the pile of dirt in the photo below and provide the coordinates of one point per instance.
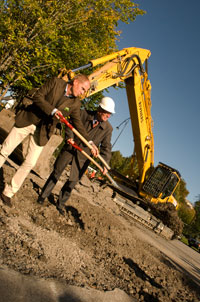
(93, 246)
(167, 213)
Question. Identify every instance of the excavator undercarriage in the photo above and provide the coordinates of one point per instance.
(161, 217)
(144, 217)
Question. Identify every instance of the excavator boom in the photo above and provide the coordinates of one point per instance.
(126, 67)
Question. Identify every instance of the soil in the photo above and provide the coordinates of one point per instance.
(92, 246)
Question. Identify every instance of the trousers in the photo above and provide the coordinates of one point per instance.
(61, 162)
(14, 138)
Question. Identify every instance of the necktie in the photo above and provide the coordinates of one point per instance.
(96, 123)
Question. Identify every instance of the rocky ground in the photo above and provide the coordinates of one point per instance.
(93, 246)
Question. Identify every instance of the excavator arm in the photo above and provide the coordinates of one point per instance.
(126, 67)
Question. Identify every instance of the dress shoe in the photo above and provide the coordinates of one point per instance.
(6, 200)
(40, 200)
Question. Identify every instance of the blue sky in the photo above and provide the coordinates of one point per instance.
(170, 30)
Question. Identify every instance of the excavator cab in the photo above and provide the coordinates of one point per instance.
(162, 182)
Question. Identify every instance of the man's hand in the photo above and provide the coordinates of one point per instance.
(70, 141)
(56, 114)
(104, 171)
(94, 150)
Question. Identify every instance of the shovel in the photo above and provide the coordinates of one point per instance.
(94, 162)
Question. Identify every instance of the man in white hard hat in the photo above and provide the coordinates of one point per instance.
(100, 132)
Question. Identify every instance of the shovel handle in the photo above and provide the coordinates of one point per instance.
(86, 155)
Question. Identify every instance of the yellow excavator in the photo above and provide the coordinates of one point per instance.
(155, 185)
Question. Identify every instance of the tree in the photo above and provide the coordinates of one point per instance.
(124, 165)
(37, 37)
(195, 225)
(185, 212)
(116, 161)
(181, 192)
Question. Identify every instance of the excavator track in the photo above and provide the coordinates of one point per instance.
(134, 207)
(160, 217)
(143, 217)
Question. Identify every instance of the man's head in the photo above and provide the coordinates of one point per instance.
(80, 85)
(106, 108)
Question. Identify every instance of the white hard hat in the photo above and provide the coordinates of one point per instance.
(107, 104)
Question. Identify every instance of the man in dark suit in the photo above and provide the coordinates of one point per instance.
(39, 120)
(100, 131)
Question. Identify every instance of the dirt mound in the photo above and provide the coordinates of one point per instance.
(169, 216)
(92, 246)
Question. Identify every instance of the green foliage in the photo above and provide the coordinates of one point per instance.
(186, 213)
(193, 228)
(124, 165)
(195, 225)
(181, 192)
(37, 37)
(116, 161)
(93, 102)
(184, 239)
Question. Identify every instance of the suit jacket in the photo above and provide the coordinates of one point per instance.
(100, 135)
(48, 97)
